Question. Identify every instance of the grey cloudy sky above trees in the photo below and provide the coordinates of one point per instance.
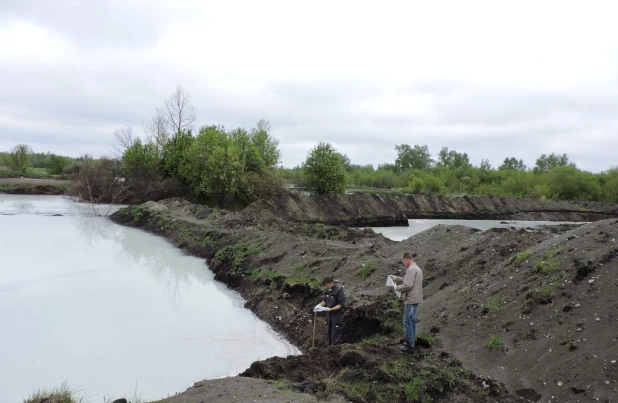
(479, 77)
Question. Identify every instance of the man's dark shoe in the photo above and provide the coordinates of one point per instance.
(407, 349)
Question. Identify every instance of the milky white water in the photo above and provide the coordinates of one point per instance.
(111, 309)
(418, 226)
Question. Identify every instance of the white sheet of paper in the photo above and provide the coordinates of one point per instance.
(391, 283)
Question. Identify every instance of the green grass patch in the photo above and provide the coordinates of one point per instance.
(548, 264)
(521, 256)
(402, 381)
(303, 280)
(138, 212)
(427, 336)
(358, 391)
(366, 269)
(392, 321)
(281, 385)
(266, 276)
(414, 390)
(207, 241)
(544, 294)
(238, 256)
(493, 306)
(299, 268)
(375, 340)
(59, 395)
(494, 343)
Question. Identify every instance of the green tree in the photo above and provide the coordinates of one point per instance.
(417, 157)
(266, 144)
(485, 165)
(174, 151)
(57, 164)
(569, 183)
(18, 159)
(453, 159)
(512, 164)
(546, 162)
(324, 170)
(243, 140)
(215, 166)
(609, 184)
(140, 157)
(347, 164)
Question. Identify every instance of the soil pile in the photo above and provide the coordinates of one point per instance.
(533, 309)
(381, 210)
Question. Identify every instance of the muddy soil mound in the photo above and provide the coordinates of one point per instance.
(380, 210)
(533, 308)
(34, 189)
(380, 373)
(538, 312)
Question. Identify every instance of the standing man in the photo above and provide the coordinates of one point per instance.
(411, 287)
(334, 303)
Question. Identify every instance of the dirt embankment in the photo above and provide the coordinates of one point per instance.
(535, 310)
(30, 186)
(382, 210)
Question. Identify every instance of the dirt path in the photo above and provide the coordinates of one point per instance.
(243, 390)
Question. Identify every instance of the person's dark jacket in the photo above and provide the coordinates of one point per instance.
(333, 297)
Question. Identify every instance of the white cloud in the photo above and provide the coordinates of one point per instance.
(490, 78)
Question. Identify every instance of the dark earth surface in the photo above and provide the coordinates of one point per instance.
(30, 186)
(547, 296)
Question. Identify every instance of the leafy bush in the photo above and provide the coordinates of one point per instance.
(324, 170)
(237, 255)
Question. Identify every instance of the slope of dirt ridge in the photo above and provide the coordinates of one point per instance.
(275, 267)
(552, 302)
(380, 210)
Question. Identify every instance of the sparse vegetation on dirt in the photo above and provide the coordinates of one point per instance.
(521, 256)
(549, 263)
(493, 306)
(474, 291)
(494, 343)
(366, 269)
(63, 394)
(237, 256)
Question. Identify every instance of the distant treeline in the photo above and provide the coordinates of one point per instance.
(235, 167)
(553, 177)
(22, 161)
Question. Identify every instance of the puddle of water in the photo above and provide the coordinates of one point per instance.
(418, 226)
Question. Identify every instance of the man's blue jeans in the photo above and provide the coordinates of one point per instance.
(409, 323)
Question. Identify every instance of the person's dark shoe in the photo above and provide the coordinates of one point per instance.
(407, 349)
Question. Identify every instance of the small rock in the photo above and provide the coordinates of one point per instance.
(560, 383)
(607, 382)
(591, 281)
(613, 361)
(577, 305)
(597, 320)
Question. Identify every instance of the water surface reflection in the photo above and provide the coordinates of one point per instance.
(107, 308)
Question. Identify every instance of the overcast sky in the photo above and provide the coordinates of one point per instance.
(476, 76)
